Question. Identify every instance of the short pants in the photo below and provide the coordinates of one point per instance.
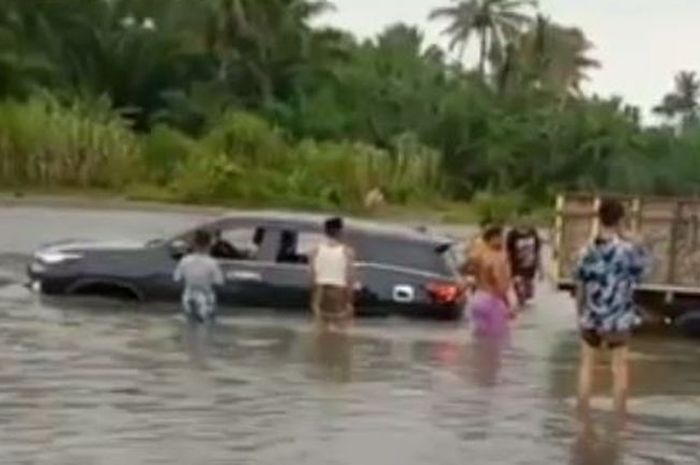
(597, 340)
(489, 315)
(333, 304)
(199, 305)
(524, 288)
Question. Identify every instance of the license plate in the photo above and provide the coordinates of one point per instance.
(243, 276)
(37, 268)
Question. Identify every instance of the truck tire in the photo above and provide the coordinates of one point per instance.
(689, 324)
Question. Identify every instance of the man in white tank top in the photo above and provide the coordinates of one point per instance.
(333, 278)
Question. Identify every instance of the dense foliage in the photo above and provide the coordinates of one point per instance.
(245, 100)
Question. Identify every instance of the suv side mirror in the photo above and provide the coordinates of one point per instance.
(178, 249)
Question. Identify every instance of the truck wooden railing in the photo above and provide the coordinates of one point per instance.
(669, 228)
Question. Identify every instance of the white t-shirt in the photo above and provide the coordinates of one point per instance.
(330, 264)
(199, 272)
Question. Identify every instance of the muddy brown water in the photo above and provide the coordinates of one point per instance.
(97, 382)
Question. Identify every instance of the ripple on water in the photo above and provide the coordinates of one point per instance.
(92, 382)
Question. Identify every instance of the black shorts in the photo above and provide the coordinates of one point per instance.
(596, 340)
(524, 273)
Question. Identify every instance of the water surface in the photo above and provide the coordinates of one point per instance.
(94, 382)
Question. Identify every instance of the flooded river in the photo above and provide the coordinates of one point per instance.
(93, 382)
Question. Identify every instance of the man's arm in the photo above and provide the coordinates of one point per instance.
(581, 275)
(315, 294)
(217, 274)
(177, 274)
(352, 278)
(538, 254)
(510, 244)
(501, 273)
(639, 258)
(580, 296)
(312, 265)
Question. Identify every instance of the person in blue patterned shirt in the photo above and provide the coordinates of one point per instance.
(608, 271)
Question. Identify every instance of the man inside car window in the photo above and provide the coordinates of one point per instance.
(288, 249)
(224, 249)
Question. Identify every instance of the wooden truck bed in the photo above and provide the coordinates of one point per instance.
(669, 228)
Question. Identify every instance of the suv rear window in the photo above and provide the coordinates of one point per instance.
(406, 254)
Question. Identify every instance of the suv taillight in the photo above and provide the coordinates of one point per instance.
(443, 293)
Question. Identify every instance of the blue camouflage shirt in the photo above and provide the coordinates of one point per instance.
(609, 271)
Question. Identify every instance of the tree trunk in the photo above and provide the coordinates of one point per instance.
(462, 50)
(482, 54)
(264, 83)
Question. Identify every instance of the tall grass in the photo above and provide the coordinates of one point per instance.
(244, 158)
(83, 144)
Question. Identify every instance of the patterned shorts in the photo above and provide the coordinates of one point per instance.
(333, 304)
(199, 305)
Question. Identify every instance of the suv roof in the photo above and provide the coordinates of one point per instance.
(313, 221)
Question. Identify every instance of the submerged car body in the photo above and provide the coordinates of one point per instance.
(264, 257)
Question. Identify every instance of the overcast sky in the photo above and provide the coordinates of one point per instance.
(640, 43)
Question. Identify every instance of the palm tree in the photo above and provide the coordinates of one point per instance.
(23, 66)
(683, 100)
(497, 22)
(254, 42)
(555, 57)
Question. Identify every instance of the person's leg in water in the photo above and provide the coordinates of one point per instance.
(316, 302)
(347, 317)
(620, 372)
(586, 374)
(196, 338)
(329, 306)
(524, 288)
(519, 286)
(529, 288)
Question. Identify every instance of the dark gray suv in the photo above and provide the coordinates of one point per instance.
(265, 260)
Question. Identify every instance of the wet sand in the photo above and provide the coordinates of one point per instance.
(97, 382)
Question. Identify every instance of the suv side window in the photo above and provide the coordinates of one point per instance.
(295, 247)
(237, 243)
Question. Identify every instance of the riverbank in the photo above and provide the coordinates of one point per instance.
(441, 212)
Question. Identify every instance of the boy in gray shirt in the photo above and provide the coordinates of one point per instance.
(200, 274)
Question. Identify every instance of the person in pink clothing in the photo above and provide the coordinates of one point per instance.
(490, 306)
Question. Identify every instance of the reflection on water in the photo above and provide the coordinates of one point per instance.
(331, 353)
(101, 383)
(485, 356)
(196, 339)
(592, 448)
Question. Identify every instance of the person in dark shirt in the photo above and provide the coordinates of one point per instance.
(524, 253)
(288, 249)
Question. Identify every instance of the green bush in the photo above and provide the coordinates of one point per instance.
(247, 140)
(164, 149)
(497, 208)
(241, 160)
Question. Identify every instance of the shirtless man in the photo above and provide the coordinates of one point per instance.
(491, 307)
